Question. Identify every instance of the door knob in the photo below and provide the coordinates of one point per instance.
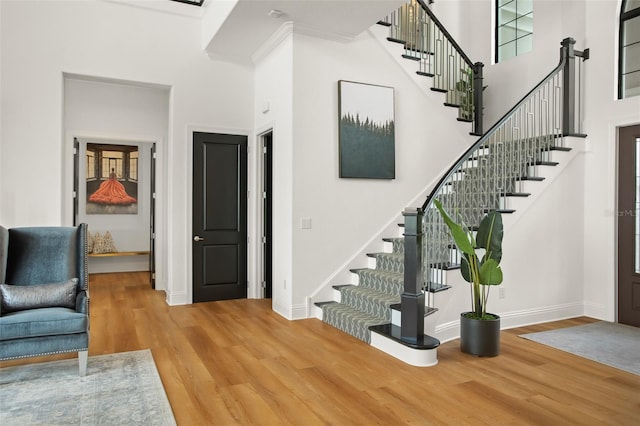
(198, 238)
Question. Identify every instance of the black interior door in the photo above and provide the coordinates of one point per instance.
(219, 216)
(629, 226)
(152, 221)
(266, 213)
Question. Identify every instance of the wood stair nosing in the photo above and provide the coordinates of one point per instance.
(396, 40)
(545, 163)
(530, 178)
(411, 58)
(425, 74)
(428, 310)
(383, 23)
(436, 89)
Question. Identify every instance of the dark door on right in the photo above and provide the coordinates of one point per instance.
(219, 217)
(629, 226)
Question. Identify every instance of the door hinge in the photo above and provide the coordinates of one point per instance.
(264, 240)
(264, 195)
(153, 275)
(264, 149)
(75, 194)
(155, 155)
(153, 195)
(263, 284)
(75, 150)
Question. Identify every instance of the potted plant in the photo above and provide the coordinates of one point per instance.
(479, 329)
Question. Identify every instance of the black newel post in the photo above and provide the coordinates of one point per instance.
(412, 302)
(568, 86)
(477, 98)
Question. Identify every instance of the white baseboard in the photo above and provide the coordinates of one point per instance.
(415, 357)
(451, 330)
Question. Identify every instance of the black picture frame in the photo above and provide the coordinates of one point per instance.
(366, 132)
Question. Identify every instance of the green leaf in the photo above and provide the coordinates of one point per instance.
(465, 268)
(460, 236)
(490, 235)
(490, 273)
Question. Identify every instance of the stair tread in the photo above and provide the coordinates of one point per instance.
(396, 40)
(411, 58)
(531, 178)
(393, 332)
(428, 310)
(425, 74)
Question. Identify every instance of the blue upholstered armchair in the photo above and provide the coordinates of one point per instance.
(44, 292)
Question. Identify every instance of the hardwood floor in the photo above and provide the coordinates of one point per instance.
(238, 362)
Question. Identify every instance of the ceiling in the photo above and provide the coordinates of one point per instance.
(250, 24)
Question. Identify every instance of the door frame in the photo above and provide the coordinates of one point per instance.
(617, 215)
(265, 249)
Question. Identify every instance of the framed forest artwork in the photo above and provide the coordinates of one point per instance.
(112, 179)
(366, 131)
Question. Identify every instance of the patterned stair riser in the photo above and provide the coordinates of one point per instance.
(389, 262)
(369, 301)
(385, 282)
(398, 246)
(351, 321)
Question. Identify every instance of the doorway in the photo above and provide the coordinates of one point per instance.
(219, 243)
(114, 193)
(267, 215)
(629, 225)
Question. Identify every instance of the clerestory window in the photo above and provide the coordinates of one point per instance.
(514, 28)
(629, 53)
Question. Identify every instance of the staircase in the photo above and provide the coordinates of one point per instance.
(491, 175)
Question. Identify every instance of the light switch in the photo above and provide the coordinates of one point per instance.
(305, 223)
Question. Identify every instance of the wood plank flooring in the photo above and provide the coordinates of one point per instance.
(238, 362)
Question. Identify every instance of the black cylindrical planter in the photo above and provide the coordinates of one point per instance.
(480, 337)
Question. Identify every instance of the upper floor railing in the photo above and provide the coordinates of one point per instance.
(438, 55)
(490, 172)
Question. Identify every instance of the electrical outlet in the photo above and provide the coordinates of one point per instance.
(501, 293)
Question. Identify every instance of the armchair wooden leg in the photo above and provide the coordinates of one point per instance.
(82, 361)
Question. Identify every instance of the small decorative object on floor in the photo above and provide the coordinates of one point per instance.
(119, 389)
(103, 243)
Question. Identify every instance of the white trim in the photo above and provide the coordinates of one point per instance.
(411, 356)
(273, 41)
(451, 330)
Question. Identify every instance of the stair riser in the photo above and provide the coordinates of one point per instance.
(389, 263)
(369, 305)
(369, 279)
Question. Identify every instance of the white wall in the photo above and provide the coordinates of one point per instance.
(274, 87)
(346, 213)
(604, 114)
(42, 40)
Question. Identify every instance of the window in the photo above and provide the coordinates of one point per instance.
(112, 163)
(514, 28)
(629, 54)
(91, 165)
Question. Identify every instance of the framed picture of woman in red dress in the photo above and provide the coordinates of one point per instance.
(112, 179)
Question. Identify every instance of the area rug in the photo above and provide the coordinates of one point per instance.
(616, 345)
(119, 389)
